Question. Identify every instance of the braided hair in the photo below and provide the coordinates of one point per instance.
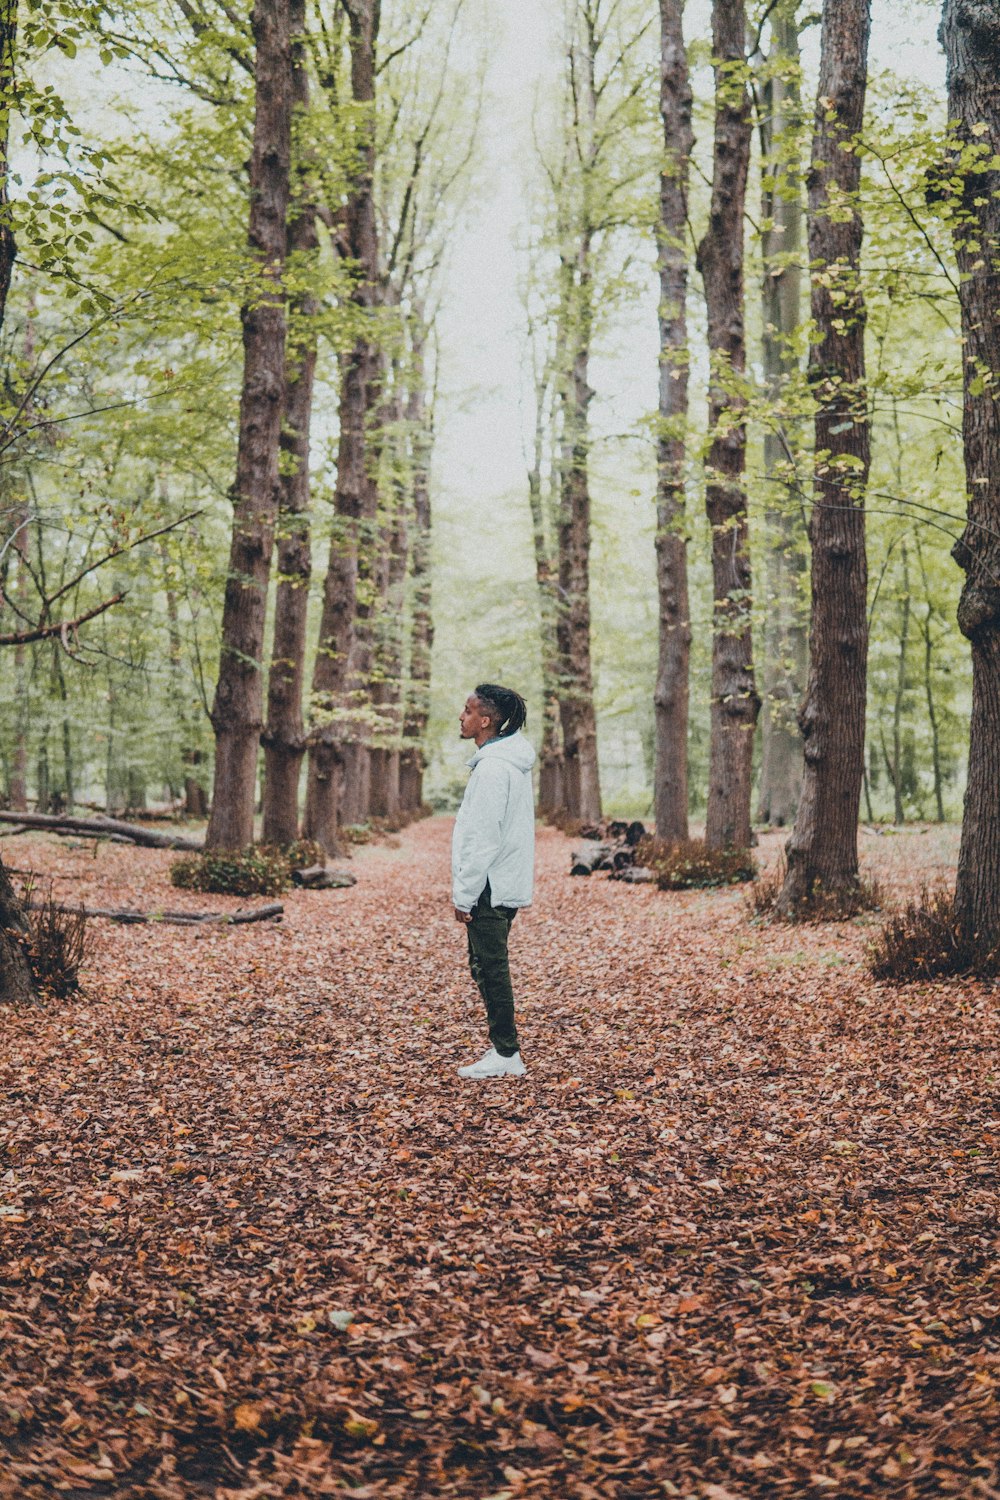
(506, 709)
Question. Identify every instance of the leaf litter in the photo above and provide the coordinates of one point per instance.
(734, 1235)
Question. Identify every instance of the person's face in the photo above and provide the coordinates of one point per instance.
(472, 722)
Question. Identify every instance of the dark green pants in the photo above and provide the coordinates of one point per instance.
(490, 967)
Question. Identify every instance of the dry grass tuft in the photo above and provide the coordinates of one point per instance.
(761, 899)
(925, 940)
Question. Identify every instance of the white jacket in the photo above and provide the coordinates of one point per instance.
(494, 836)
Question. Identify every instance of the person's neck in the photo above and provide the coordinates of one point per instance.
(485, 740)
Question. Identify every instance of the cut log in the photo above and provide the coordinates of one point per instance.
(108, 828)
(322, 878)
(274, 910)
(624, 832)
(587, 858)
(634, 875)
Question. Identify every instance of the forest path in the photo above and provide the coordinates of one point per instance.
(734, 1234)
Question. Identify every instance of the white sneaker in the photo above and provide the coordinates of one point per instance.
(492, 1065)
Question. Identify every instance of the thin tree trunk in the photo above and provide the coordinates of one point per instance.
(926, 630)
(735, 703)
(421, 432)
(237, 710)
(333, 737)
(898, 701)
(785, 639)
(670, 697)
(970, 35)
(194, 797)
(67, 733)
(823, 848)
(284, 736)
(19, 760)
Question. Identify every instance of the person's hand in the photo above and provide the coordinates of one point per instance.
(465, 917)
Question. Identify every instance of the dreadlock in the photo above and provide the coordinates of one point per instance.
(506, 709)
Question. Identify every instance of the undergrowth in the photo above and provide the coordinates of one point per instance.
(56, 942)
(925, 940)
(691, 865)
(761, 900)
(256, 871)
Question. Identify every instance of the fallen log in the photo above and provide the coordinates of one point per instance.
(274, 910)
(321, 878)
(634, 875)
(108, 828)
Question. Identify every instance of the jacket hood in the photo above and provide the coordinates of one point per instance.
(515, 750)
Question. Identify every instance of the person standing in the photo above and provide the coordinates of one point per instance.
(493, 861)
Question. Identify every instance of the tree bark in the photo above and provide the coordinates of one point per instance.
(16, 986)
(237, 709)
(390, 588)
(576, 688)
(785, 639)
(19, 758)
(551, 769)
(823, 849)
(670, 786)
(335, 742)
(420, 422)
(735, 703)
(581, 777)
(970, 35)
(8, 43)
(284, 736)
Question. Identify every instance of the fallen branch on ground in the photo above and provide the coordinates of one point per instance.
(322, 878)
(64, 823)
(125, 914)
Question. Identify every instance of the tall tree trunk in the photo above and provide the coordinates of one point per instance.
(786, 643)
(735, 703)
(390, 588)
(284, 736)
(420, 424)
(576, 688)
(550, 775)
(237, 709)
(335, 743)
(8, 43)
(970, 35)
(19, 758)
(16, 985)
(670, 785)
(823, 848)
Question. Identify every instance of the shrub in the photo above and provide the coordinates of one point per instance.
(356, 833)
(301, 855)
(691, 865)
(256, 871)
(57, 943)
(761, 899)
(924, 940)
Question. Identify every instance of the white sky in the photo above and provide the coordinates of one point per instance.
(481, 511)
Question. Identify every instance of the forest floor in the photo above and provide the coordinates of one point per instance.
(734, 1235)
